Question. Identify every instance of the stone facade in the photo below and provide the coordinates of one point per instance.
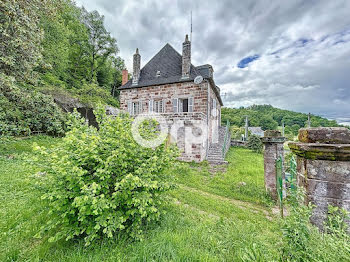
(273, 148)
(323, 168)
(167, 93)
(166, 86)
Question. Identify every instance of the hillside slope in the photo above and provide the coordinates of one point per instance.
(269, 117)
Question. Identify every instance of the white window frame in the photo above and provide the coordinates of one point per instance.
(135, 107)
(158, 106)
(180, 104)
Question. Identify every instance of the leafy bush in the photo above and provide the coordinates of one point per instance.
(100, 182)
(255, 144)
(23, 111)
(304, 242)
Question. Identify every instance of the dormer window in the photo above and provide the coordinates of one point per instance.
(158, 74)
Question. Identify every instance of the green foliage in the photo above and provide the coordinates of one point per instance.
(304, 242)
(269, 117)
(237, 132)
(100, 182)
(24, 111)
(79, 53)
(20, 37)
(255, 144)
(53, 45)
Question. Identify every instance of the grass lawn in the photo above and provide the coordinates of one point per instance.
(224, 216)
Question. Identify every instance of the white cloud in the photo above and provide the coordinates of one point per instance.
(308, 73)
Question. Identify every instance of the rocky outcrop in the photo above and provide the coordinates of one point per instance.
(68, 103)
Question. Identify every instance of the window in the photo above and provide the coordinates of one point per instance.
(183, 104)
(135, 108)
(156, 106)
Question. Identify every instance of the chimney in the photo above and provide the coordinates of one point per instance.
(136, 68)
(186, 58)
(124, 76)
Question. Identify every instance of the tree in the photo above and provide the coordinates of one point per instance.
(267, 123)
(101, 44)
(20, 37)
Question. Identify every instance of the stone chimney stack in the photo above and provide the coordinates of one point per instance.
(186, 58)
(136, 68)
(124, 76)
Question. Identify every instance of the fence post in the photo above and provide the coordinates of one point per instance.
(273, 149)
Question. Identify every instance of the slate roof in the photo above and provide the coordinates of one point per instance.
(169, 63)
(256, 130)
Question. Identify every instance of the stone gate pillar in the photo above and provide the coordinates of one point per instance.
(323, 168)
(273, 148)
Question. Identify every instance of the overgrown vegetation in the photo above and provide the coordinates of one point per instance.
(49, 47)
(304, 242)
(100, 182)
(223, 216)
(269, 117)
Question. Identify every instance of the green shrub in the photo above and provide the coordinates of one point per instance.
(23, 111)
(100, 182)
(255, 144)
(304, 242)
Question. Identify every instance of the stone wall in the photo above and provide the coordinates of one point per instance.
(323, 168)
(239, 143)
(166, 93)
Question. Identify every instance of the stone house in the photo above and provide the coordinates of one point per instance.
(169, 85)
(256, 130)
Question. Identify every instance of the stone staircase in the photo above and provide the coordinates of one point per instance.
(216, 156)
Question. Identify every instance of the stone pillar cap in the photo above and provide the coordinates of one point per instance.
(324, 135)
(272, 133)
(272, 136)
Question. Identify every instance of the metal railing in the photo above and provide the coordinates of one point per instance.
(225, 139)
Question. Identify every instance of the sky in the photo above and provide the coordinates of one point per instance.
(291, 54)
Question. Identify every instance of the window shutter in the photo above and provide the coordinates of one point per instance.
(163, 106)
(130, 107)
(175, 105)
(140, 107)
(190, 104)
(150, 106)
(180, 106)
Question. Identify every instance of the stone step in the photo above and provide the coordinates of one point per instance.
(214, 163)
(215, 158)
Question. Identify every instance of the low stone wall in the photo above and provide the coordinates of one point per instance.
(323, 168)
(239, 143)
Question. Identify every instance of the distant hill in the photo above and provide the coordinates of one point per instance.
(269, 117)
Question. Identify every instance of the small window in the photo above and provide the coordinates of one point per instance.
(186, 104)
(158, 106)
(135, 108)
